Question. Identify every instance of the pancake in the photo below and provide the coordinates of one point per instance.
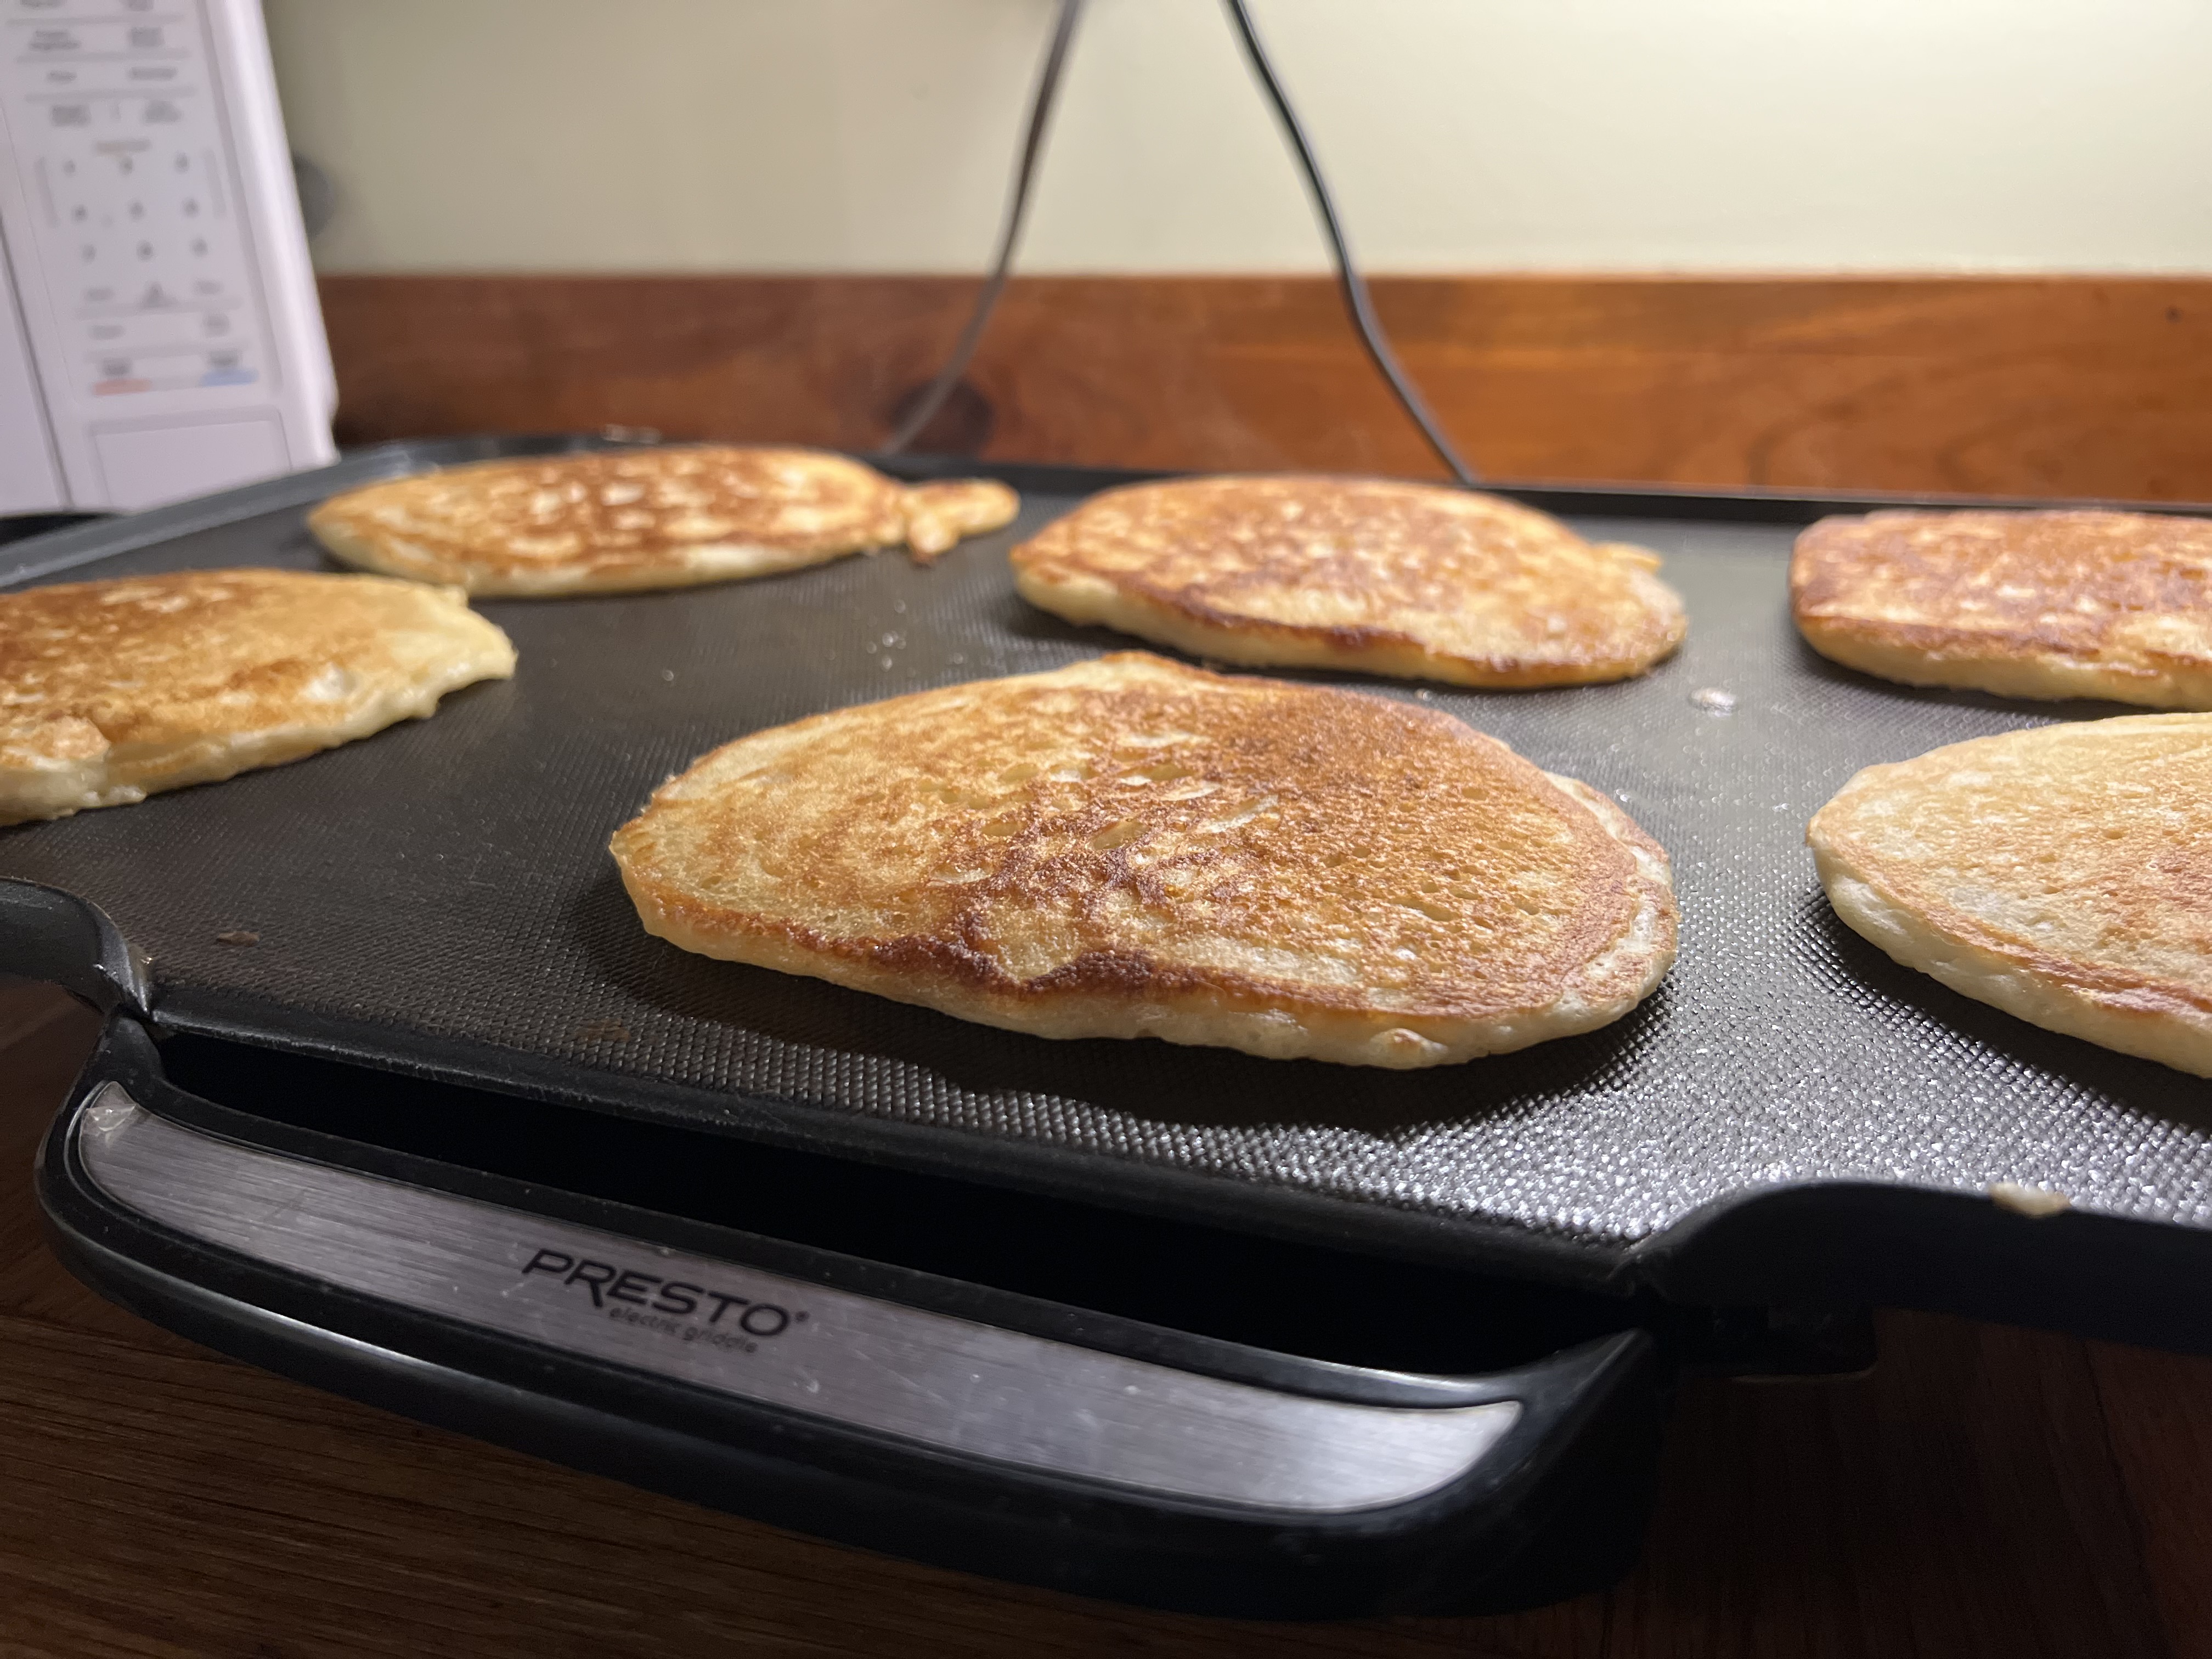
(617, 521)
(111, 690)
(1131, 847)
(2063, 874)
(2025, 604)
(1407, 580)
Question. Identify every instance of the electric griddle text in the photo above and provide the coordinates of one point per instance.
(610, 1283)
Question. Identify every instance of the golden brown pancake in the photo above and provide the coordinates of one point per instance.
(623, 520)
(1400, 579)
(2063, 874)
(2025, 604)
(111, 690)
(1131, 847)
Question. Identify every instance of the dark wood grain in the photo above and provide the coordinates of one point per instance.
(2031, 386)
(1987, 1492)
(2158, 1410)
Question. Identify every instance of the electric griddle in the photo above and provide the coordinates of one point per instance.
(394, 1095)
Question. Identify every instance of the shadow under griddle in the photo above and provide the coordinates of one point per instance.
(1840, 956)
(1141, 1078)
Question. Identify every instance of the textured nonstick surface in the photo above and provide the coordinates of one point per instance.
(441, 895)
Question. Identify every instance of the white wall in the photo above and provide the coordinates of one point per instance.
(1460, 135)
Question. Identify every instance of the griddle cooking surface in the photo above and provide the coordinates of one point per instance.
(443, 889)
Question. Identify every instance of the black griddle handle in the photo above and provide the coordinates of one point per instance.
(1555, 1507)
(48, 934)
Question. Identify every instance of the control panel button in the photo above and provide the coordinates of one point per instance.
(125, 151)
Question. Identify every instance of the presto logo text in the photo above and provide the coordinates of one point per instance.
(607, 1283)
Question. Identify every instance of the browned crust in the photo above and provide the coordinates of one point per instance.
(168, 658)
(1204, 522)
(958, 960)
(1608, 922)
(2054, 604)
(117, 689)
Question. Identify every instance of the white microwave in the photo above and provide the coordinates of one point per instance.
(158, 332)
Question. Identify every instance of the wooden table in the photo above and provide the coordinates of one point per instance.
(1987, 1492)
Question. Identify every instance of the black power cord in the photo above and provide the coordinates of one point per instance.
(1347, 274)
(1356, 300)
(1017, 203)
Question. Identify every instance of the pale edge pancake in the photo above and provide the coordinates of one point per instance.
(692, 567)
(2174, 1036)
(124, 774)
(1949, 657)
(1257, 642)
(932, 517)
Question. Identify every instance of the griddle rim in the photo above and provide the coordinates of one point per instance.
(1814, 1244)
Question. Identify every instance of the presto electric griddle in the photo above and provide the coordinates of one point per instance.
(394, 1095)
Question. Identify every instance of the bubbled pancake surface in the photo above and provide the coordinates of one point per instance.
(2063, 604)
(1129, 846)
(110, 690)
(2063, 874)
(608, 521)
(1399, 578)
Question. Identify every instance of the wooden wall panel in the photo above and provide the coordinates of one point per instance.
(2041, 386)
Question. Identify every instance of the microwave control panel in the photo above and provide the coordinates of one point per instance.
(158, 256)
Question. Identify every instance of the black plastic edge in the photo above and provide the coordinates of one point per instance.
(1557, 1507)
(1840, 1244)
(1829, 1246)
(48, 934)
(127, 1050)
(1057, 1172)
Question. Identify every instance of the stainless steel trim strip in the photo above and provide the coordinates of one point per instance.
(950, 1383)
